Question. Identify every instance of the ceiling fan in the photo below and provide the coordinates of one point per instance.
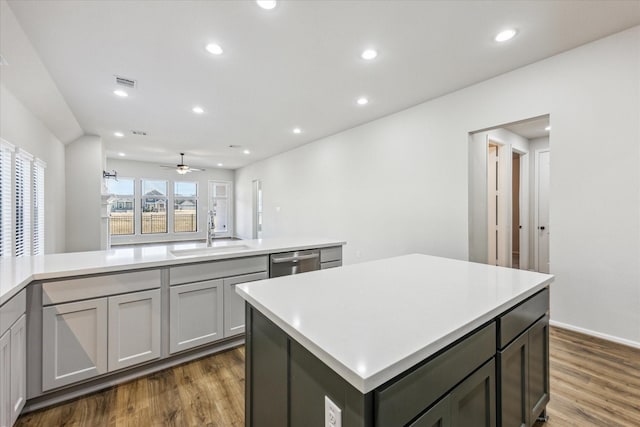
(181, 168)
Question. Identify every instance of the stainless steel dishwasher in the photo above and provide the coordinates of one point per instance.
(287, 263)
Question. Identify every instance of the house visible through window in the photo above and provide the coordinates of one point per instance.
(38, 207)
(121, 219)
(185, 207)
(154, 207)
(6, 151)
(22, 242)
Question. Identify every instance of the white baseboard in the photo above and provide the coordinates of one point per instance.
(607, 337)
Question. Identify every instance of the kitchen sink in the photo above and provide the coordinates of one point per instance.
(210, 250)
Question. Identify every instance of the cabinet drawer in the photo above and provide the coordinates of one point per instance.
(401, 401)
(514, 322)
(12, 310)
(99, 286)
(331, 254)
(216, 269)
(330, 264)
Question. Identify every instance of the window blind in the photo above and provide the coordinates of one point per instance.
(6, 150)
(38, 207)
(23, 204)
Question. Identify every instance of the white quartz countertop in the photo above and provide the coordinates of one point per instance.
(370, 322)
(16, 273)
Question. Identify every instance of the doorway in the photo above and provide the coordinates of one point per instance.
(509, 181)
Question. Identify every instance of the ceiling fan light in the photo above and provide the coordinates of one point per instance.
(182, 171)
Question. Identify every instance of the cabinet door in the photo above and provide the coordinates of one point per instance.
(195, 314)
(513, 409)
(18, 367)
(473, 401)
(538, 368)
(438, 416)
(74, 342)
(134, 328)
(234, 304)
(5, 379)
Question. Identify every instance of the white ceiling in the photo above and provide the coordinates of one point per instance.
(296, 65)
(530, 129)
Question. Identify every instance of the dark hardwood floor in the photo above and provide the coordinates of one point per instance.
(593, 383)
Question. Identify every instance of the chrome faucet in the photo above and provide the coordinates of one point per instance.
(210, 228)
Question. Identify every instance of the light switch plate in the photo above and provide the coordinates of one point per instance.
(332, 414)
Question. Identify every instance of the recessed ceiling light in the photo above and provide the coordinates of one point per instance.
(118, 134)
(120, 93)
(267, 4)
(247, 152)
(220, 165)
(505, 35)
(197, 110)
(548, 128)
(214, 49)
(121, 154)
(297, 130)
(362, 101)
(369, 54)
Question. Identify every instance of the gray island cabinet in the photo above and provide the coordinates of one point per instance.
(409, 341)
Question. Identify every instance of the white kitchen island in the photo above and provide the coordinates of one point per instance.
(411, 340)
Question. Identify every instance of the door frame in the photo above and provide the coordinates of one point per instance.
(536, 238)
(524, 207)
(504, 185)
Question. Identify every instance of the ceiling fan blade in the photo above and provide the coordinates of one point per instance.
(168, 166)
(197, 169)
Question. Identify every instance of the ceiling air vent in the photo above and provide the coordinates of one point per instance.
(139, 132)
(123, 81)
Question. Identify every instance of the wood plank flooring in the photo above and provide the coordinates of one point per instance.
(593, 383)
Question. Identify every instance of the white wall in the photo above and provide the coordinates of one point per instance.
(399, 184)
(83, 175)
(19, 127)
(135, 169)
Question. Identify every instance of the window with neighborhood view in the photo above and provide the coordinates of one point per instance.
(121, 219)
(185, 207)
(220, 193)
(154, 206)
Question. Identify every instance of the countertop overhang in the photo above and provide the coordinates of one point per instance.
(16, 273)
(370, 322)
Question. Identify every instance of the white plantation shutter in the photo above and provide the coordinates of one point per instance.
(6, 150)
(38, 207)
(23, 204)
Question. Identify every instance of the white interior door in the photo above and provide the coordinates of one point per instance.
(524, 212)
(492, 203)
(542, 199)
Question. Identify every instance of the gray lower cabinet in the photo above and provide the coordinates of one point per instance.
(5, 379)
(438, 416)
(234, 322)
(74, 342)
(195, 314)
(524, 376)
(473, 402)
(18, 393)
(134, 329)
(13, 359)
(85, 339)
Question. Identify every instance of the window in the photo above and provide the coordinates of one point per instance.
(220, 205)
(22, 241)
(6, 151)
(154, 207)
(121, 217)
(257, 209)
(185, 207)
(38, 206)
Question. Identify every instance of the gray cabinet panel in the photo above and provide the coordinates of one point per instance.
(234, 313)
(217, 269)
(538, 368)
(195, 314)
(12, 310)
(513, 407)
(74, 342)
(134, 329)
(438, 416)
(404, 399)
(331, 254)
(330, 264)
(516, 321)
(473, 401)
(18, 367)
(5, 379)
(99, 286)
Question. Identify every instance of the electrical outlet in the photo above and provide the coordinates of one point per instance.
(332, 414)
